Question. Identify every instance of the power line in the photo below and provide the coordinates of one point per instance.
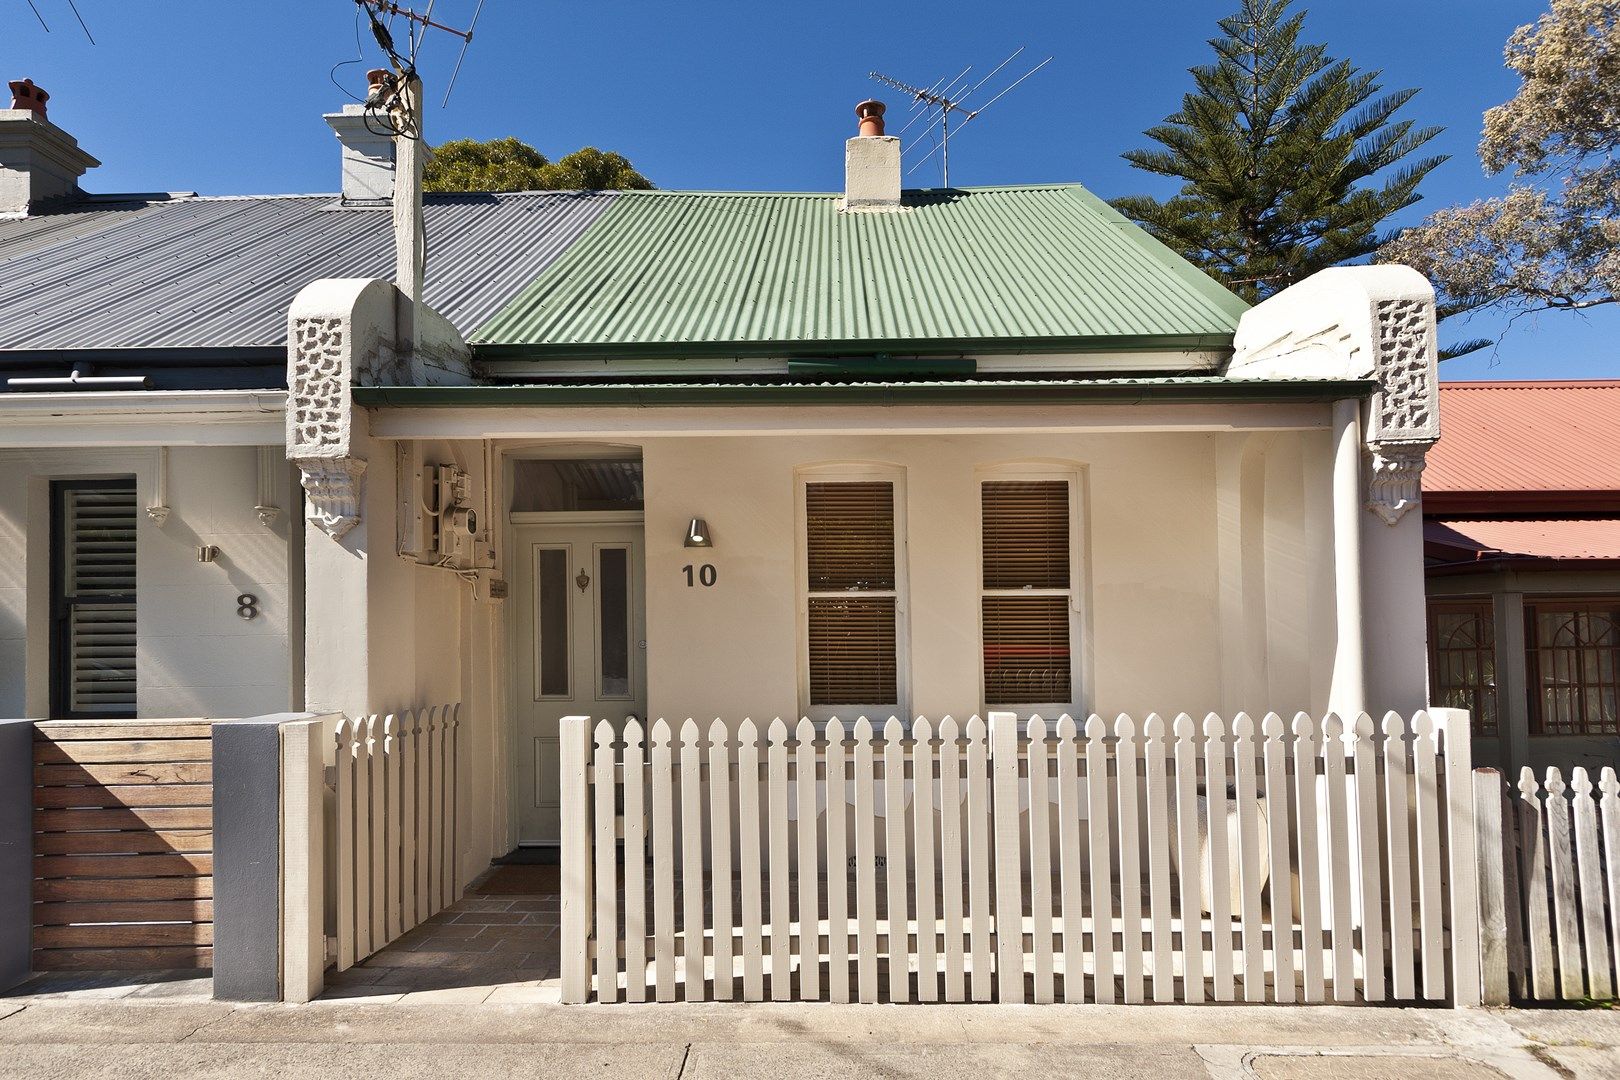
(82, 26)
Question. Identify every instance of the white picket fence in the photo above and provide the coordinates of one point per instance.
(1549, 869)
(905, 865)
(395, 825)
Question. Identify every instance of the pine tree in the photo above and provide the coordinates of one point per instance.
(1280, 149)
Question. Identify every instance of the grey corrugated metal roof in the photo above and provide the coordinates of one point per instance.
(221, 271)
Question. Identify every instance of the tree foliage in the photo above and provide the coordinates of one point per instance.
(1553, 241)
(512, 165)
(1290, 160)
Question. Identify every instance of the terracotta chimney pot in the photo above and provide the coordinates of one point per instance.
(25, 95)
(871, 116)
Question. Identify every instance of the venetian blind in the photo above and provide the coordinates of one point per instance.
(1026, 534)
(1027, 592)
(850, 556)
(98, 595)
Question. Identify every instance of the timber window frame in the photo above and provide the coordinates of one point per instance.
(821, 607)
(1005, 584)
(1587, 667)
(1462, 660)
(109, 612)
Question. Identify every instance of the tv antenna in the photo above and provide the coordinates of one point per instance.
(417, 25)
(944, 96)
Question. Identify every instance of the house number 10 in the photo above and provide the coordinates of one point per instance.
(704, 575)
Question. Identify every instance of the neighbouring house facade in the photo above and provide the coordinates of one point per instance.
(689, 454)
(1522, 541)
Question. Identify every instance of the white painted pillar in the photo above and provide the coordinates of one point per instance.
(1394, 612)
(1347, 694)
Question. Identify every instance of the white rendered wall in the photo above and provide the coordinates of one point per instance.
(194, 656)
(1155, 571)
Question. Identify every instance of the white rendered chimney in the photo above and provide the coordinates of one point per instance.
(39, 161)
(871, 163)
(368, 155)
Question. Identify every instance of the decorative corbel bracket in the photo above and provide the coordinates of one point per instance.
(265, 504)
(334, 487)
(1394, 478)
(1404, 417)
(336, 330)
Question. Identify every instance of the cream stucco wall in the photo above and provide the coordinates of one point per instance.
(195, 656)
(1154, 572)
(1207, 582)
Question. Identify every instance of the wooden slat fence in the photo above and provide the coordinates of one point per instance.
(1549, 871)
(1064, 861)
(123, 845)
(396, 826)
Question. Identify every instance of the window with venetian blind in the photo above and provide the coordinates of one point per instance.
(852, 592)
(1573, 653)
(93, 658)
(1028, 592)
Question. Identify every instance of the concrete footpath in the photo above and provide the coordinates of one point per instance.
(181, 1039)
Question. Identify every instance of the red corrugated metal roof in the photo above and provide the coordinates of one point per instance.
(1543, 538)
(1527, 437)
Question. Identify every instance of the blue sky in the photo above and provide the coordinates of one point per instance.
(224, 97)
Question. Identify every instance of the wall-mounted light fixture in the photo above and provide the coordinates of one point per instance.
(697, 534)
(207, 553)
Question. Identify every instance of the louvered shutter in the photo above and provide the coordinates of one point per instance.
(96, 599)
(850, 555)
(1028, 594)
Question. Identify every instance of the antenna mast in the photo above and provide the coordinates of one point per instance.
(938, 100)
(942, 99)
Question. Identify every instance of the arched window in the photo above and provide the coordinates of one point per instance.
(1574, 654)
(1462, 660)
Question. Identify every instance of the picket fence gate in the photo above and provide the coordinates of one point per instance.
(395, 824)
(680, 858)
(1549, 869)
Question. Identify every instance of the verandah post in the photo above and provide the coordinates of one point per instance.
(574, 752)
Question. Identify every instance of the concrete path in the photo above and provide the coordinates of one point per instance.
(186, 1037)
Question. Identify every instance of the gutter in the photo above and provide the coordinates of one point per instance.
(159, 357)
(201, 406)
(867, 347)
(1119, 392)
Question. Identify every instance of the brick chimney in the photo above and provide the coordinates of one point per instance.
(368, 152)
(39, 162)
(871, 163)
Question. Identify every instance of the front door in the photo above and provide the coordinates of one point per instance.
(581, 649)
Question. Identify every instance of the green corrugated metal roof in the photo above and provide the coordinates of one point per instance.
(992, 269)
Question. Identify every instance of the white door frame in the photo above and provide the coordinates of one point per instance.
(520, 644)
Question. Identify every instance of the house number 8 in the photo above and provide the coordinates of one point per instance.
(247, 605)
(705, 575)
